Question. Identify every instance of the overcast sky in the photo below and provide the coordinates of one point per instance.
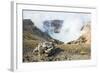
(71, 25)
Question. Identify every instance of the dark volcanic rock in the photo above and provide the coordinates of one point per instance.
(27, 25)
(55, 25)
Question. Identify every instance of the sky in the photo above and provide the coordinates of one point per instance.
(72, 23)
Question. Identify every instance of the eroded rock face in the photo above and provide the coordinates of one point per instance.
(85, 37)
(46, 48)
(86, 33)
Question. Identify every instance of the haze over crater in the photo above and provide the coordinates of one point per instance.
(61, 26)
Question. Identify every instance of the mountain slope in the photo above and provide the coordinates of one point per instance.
(30, 28)
(86, 33)
(85, 37)
(33, 35)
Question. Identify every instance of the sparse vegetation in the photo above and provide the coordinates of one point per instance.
(63, 52)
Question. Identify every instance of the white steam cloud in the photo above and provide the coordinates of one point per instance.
(72, 23)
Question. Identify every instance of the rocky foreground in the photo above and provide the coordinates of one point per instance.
(47, 51)
(38, 46)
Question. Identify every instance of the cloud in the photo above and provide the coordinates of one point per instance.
(72, 23)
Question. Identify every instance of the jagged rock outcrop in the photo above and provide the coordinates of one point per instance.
(46, 48)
